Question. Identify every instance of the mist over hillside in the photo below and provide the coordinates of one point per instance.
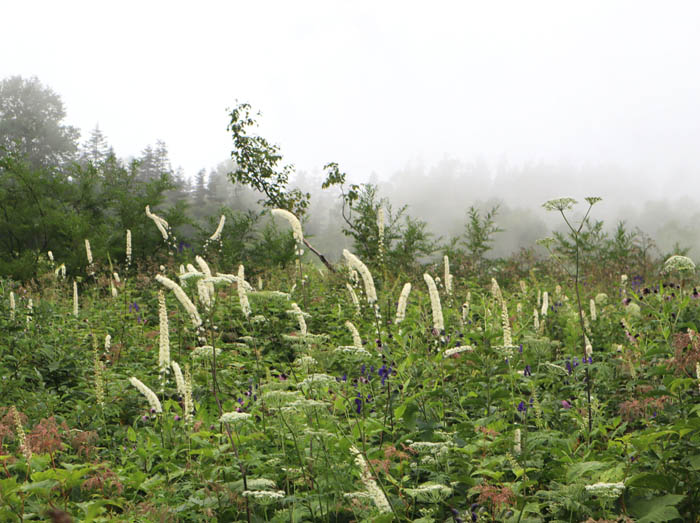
(441, 195)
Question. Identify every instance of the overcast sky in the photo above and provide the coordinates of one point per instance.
(375, 85)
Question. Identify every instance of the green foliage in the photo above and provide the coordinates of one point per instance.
(406, 240)
(479, 233)
(31, 127)
(45, 209)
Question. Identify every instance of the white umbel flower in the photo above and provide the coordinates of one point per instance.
(233, 418)
(182, 298)
(606, 490)
(679, 264)
(153, 400)
(438, 321)
(355, 263)
(403, 300)
(293, 222)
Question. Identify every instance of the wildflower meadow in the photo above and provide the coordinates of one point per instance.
(180, 387)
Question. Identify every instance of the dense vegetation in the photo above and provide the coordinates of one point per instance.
(156, 366)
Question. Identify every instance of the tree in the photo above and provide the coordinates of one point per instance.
(404, 240)
(258, 165)
(479, 232)
(154, 162)
(31, 123)
(96, 149)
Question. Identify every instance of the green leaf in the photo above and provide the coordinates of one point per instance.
(651, 481)
(657, 509)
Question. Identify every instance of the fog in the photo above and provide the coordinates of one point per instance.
(444, 105)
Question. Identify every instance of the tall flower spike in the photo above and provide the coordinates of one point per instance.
(164, 345)
(21, 436)
(207, 274)
(594, 314)
(153, 400)
(545, 303)
(160, 222)
(300, 319)
(355, 263)
(375, 492)
(448, 276)
(217, 233)
(466, 306)
(353, 297)
(179, 379)
(293, 222)
(88, 251)
(505, 321)
(75, 298)
(242, 293)
(188, 402)
(438, 321)
(356, 340)
(403, 300)
(128, 247)
(13, 306)
(182, 298)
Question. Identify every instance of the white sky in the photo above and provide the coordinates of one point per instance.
(374, 85)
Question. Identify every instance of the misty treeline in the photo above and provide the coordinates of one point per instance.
(58, 189)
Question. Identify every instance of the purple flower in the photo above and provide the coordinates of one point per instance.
(522, 407)
(177, 418)
(520, 349)
(565, 404)
(358, 403)
(384, 373)
(134, 307)
(568, 367)
(527, 371)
